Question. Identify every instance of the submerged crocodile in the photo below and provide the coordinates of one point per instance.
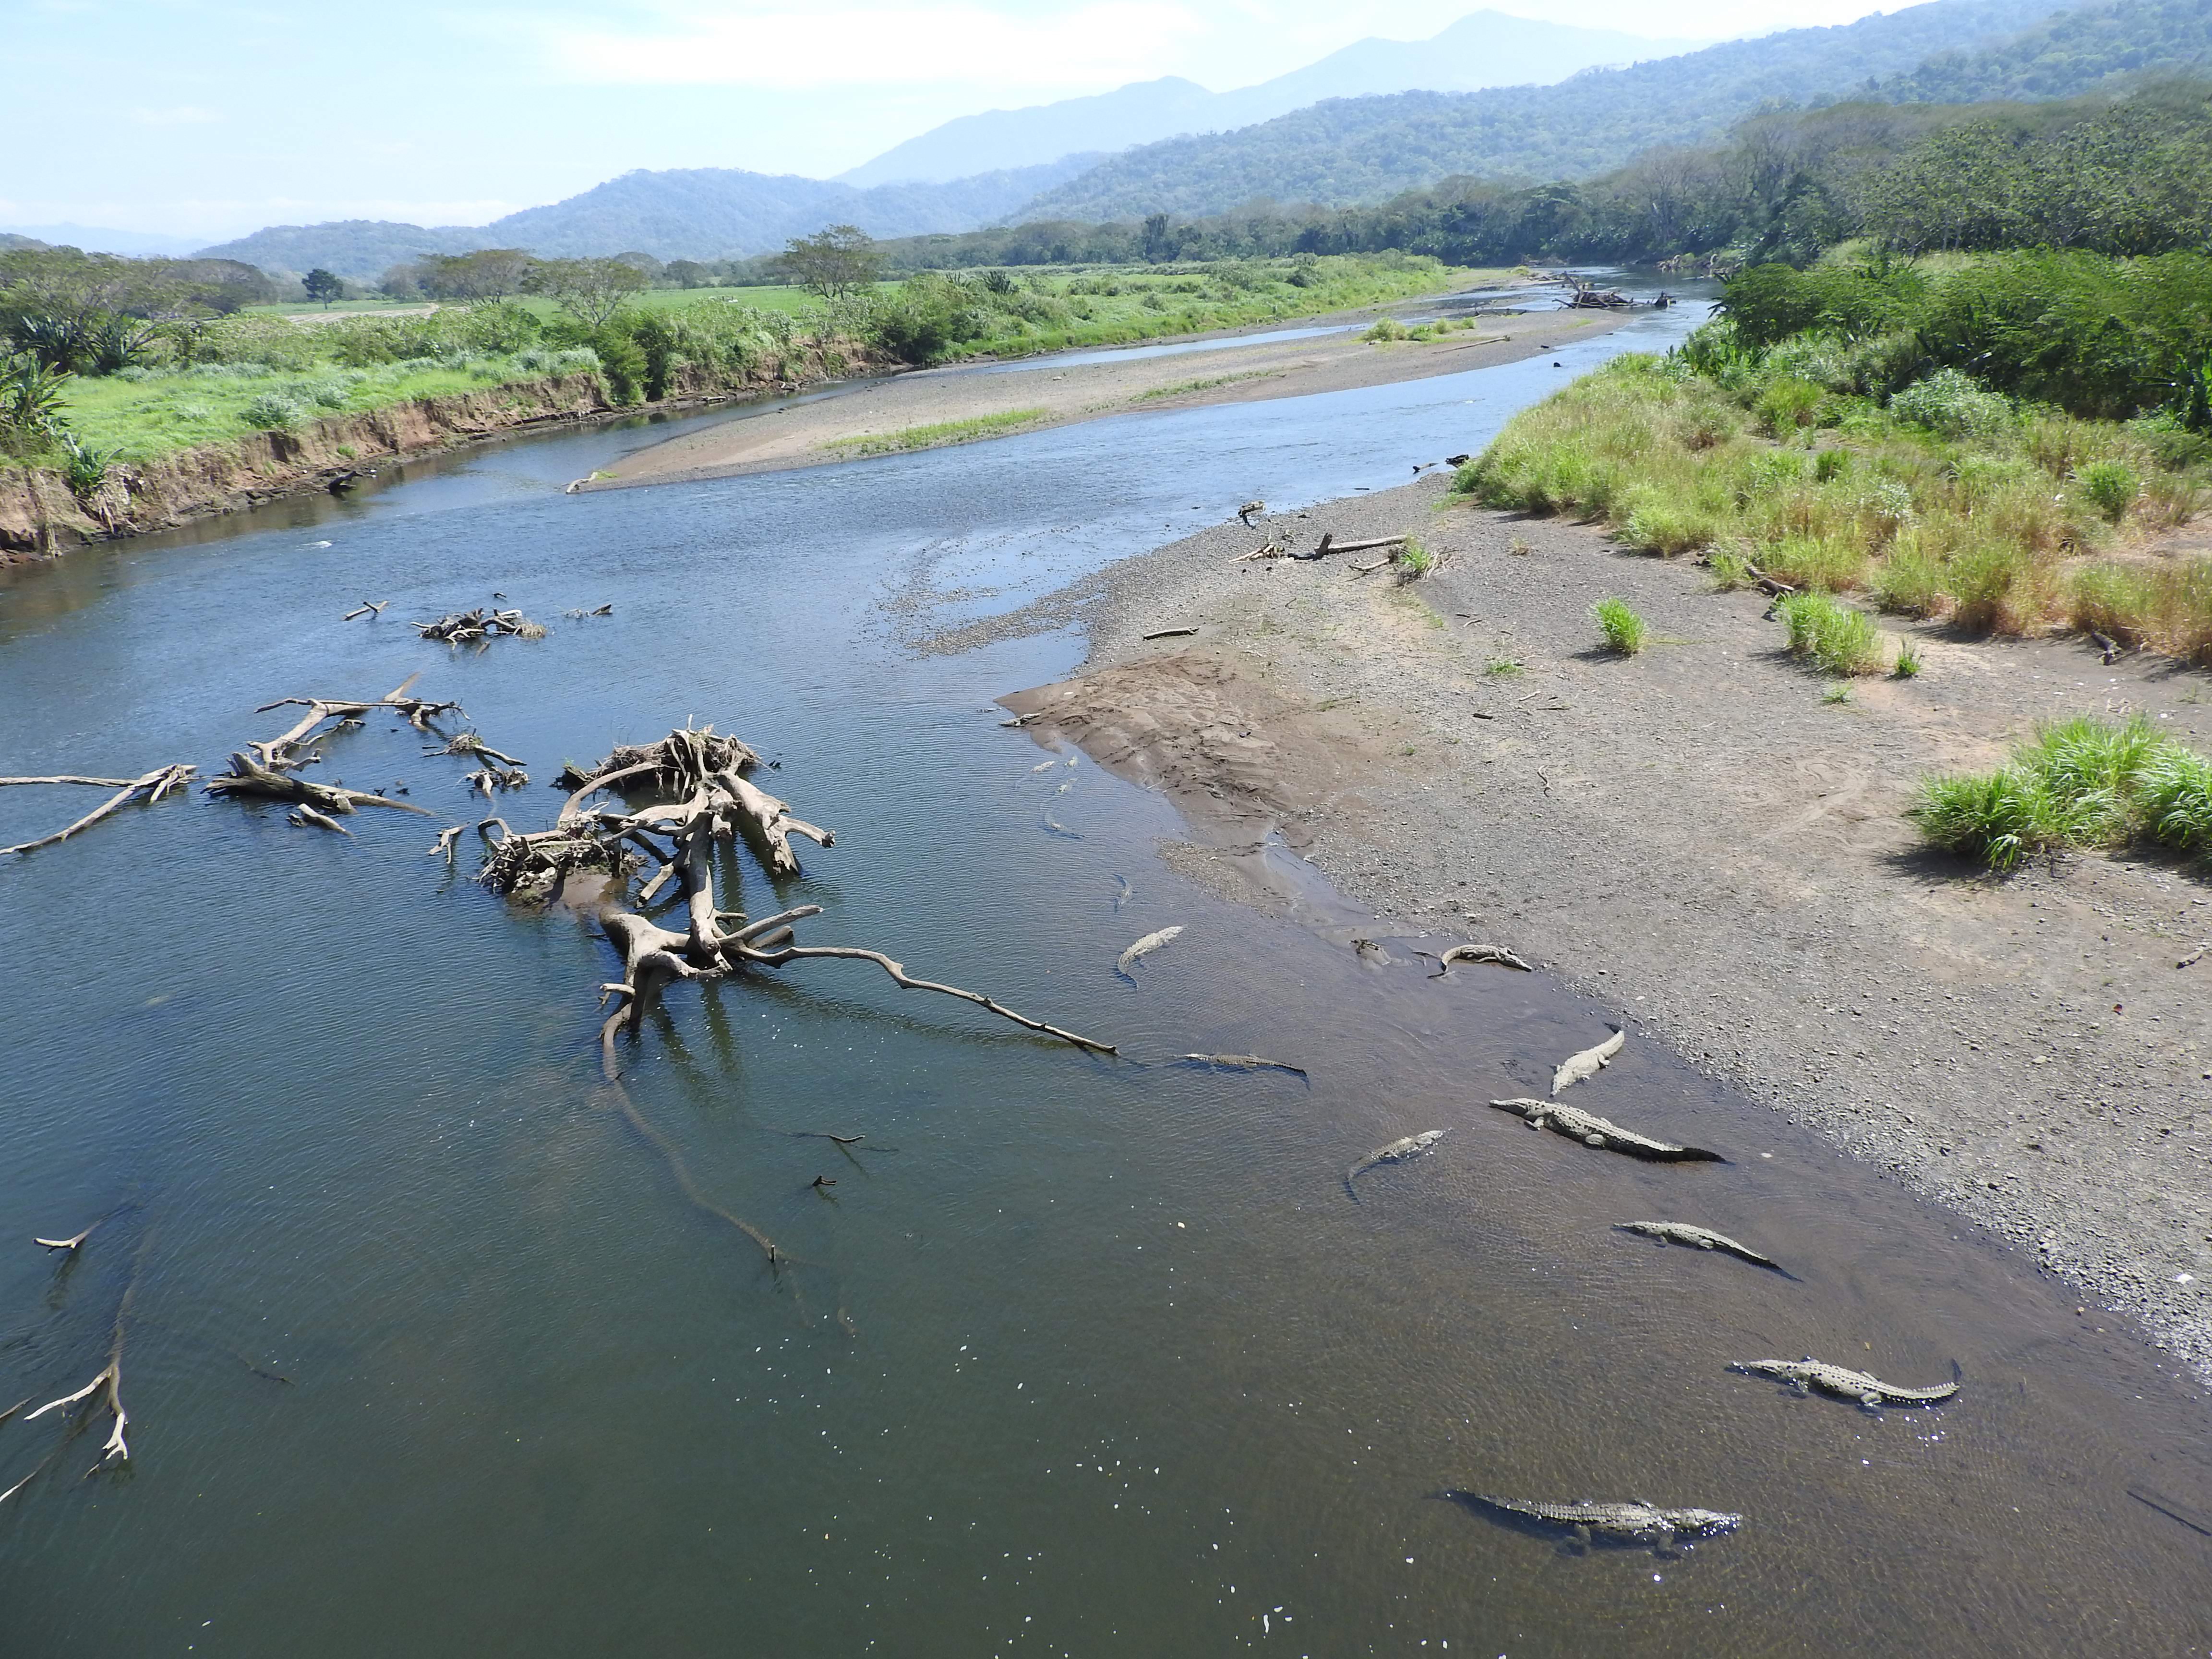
(1636, 1523)
(1595, 1131)
(1396, 1152)
(1807, 1374)
(1703, 1238)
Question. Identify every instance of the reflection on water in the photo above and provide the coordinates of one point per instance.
(429, 1353)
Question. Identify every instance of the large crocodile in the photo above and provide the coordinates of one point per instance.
(1807, 1374)
(1396, 1152)
(1636, 1523)
(1703, 1238)
(1595, 1131)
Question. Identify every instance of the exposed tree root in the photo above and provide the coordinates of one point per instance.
(161, 781)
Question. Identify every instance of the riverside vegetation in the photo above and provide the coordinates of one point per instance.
(95, 382)
(1826, 434)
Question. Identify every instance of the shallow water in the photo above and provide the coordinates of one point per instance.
(1080, 1355)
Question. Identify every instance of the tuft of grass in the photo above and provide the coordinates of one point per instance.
(1518, 547)
(1414, 560)
(1996, 819)
(1908, 665)
(1839, 638)
(1504, 668)
(1385, 330)
(2080, 783)
(1837, 691)
(2173, 796)
(938, 433)
(1624, 631)
(2111, 488)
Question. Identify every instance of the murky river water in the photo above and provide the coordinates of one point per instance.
(426, 1353)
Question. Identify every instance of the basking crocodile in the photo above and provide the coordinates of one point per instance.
(1396, 1152)
(1636, 1523)
(1807, 1374)
(1703, 1238)
(1595, 1131)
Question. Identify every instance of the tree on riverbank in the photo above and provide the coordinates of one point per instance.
(835, 261)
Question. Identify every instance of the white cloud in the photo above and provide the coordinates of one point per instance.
(183, 115)
(1092, 46)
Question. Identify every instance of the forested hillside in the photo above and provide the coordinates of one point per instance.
(2071, 53)
(1365, 150)
(2125, 177)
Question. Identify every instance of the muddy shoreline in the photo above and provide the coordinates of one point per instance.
(1697, 839)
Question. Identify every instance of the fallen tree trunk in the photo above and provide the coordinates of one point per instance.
(161, 781)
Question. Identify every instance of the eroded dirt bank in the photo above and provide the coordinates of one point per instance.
(40, 516)
(1058, 393)
(1695, 837)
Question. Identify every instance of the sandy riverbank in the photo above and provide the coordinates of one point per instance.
(835, 428)
(1695, 837)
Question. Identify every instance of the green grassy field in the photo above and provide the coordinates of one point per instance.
(284, 366)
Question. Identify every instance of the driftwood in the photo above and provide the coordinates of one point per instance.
(161, 781)
(471, 742)
(367, 608)
(107, 1386)
(305, 817)
(461, 626)
(1491, 953)
(707, 803)
(248, 777)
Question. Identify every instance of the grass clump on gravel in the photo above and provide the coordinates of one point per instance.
(1625, 633)
(2082, 783)
(1839, 638)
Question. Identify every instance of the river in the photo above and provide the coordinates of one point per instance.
(428, 1352)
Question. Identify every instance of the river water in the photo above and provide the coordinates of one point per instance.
(429, 1349)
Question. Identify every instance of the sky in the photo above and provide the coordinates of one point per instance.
(207, 118)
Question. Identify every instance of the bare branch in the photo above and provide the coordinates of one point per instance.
(154, 785)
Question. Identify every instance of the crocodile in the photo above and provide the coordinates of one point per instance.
(1595, 1131)
(1244, 1063)
(1703, 1238)
(1807, 1374)
(1636, 1523)
(1587, 1064)
(1396, 1152)
(1143, 947)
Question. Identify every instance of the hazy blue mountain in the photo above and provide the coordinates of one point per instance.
(362, 249)
(690, 213)
(96, 239)
(1362, 150)
(1484, 49)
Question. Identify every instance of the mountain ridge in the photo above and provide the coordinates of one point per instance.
(1481, 49)
(1346, 151)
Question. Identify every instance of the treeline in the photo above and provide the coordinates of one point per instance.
(2129, 177)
